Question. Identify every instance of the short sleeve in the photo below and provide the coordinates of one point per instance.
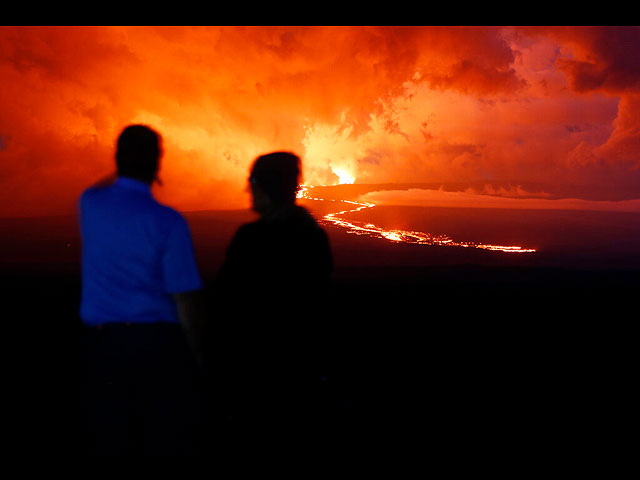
(179, 266)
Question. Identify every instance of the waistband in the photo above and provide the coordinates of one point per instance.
(130, 326)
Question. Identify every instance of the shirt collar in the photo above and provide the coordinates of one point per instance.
(133, 184)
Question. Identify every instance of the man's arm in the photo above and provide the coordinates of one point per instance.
(191, 313)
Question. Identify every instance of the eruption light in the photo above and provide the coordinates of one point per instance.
(398, 236)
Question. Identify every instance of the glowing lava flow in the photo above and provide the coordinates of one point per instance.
(404, 236)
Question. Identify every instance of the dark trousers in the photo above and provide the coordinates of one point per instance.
(143, 391)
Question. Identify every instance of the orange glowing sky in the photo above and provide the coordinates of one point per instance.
(503, 107)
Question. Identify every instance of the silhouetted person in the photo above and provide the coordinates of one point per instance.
(274, 283)
(139, 282)
(285, 251)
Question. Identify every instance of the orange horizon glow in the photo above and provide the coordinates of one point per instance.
(499, 106)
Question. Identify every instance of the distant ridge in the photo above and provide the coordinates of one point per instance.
(554, 192)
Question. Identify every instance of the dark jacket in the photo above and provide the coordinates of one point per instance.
(269, 331)
(285, 254)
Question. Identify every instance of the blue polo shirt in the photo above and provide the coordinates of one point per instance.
(135, 254)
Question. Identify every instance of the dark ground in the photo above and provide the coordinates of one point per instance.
(457, 350)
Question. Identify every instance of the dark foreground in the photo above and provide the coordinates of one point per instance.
(463, 355)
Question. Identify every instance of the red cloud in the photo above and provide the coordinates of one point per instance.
(597, 58)
(219, 96)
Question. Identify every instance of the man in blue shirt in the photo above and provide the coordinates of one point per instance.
(139, 279)
(137, 256)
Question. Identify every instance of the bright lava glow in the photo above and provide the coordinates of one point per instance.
(398, 236)
(343, 175)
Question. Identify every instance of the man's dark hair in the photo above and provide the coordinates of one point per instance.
(277, 174)
(138, 153)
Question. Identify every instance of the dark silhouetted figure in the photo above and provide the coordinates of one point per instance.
(274, 284)
(285, 251)
(139, 288)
